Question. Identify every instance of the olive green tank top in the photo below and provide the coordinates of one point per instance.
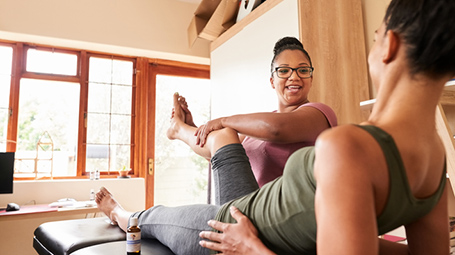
(283, 210)
(402, 207)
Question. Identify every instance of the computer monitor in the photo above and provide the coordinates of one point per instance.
(6, 172)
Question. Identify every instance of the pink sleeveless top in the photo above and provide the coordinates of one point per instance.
(267, 159)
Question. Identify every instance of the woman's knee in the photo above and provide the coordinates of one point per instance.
(226, 134)
(221, 137)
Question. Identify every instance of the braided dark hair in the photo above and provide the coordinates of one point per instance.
(427, 27)
(288, 43)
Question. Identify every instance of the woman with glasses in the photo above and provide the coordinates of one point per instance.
(269, 138)
(358, 182)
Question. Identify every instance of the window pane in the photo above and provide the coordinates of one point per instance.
(40, 61)
(120, 129)
(98, 128)
(6, 59)
(97, 156)
(122, 72)
(112, 71)
(121, 104)
(99, 96)
(181, 175)
(104, 157)
(110, 96)
(118, 160)
(48, 114)
(100, 70)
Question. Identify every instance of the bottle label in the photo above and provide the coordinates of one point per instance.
(133, 242)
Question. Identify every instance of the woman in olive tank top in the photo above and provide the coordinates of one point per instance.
(358, 182)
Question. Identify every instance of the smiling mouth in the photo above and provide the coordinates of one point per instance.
(293, 87)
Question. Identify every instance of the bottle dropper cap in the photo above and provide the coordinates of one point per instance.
(133, 221)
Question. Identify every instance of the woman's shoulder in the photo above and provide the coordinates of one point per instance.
(348, 150)
(315, 105)
(328, 112)
(341, 133)
(345, 139)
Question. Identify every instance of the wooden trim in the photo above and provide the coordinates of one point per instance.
(14, 95)
(239, 26)
(7, 42)
(139, 160)
(69, 49)
(172, 63)
(180, 71)
(133, 135)
(150, 120)
(446, 135)
(53, 77)
(82, 130)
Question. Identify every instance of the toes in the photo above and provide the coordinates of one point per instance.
(104, 191)
(183, 102)
(176, 100)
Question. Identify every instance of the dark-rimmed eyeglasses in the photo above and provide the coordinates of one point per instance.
(286, 72)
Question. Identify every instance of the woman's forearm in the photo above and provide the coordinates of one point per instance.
(263, 126)
(297, 126)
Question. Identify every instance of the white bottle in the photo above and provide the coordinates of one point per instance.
(92, 195)
(97, 174)
(133, 238)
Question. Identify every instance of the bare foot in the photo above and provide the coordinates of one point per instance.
(178, 118)
(107, 204)
(188, 116)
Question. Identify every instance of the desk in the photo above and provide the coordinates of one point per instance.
(44, 211)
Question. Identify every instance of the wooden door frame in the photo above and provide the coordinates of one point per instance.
(159, 67)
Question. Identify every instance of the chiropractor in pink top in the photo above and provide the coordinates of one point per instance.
(268, 158)
(269, 138)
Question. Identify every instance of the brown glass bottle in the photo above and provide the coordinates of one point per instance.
(133, 238)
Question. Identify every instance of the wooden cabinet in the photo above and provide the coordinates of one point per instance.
(333, 32)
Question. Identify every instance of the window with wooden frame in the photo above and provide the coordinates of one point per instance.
(69, 111)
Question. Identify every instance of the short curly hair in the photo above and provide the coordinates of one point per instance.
(288, 43)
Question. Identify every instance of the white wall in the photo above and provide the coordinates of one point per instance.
(240, 68)
(150, 28)
(16, 236)
(373, 14)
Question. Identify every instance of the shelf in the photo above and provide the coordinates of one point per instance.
(367, 105)
(237, 27)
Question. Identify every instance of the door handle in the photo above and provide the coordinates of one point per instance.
(150, 166)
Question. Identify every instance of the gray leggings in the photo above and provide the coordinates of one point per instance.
(178, 227)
